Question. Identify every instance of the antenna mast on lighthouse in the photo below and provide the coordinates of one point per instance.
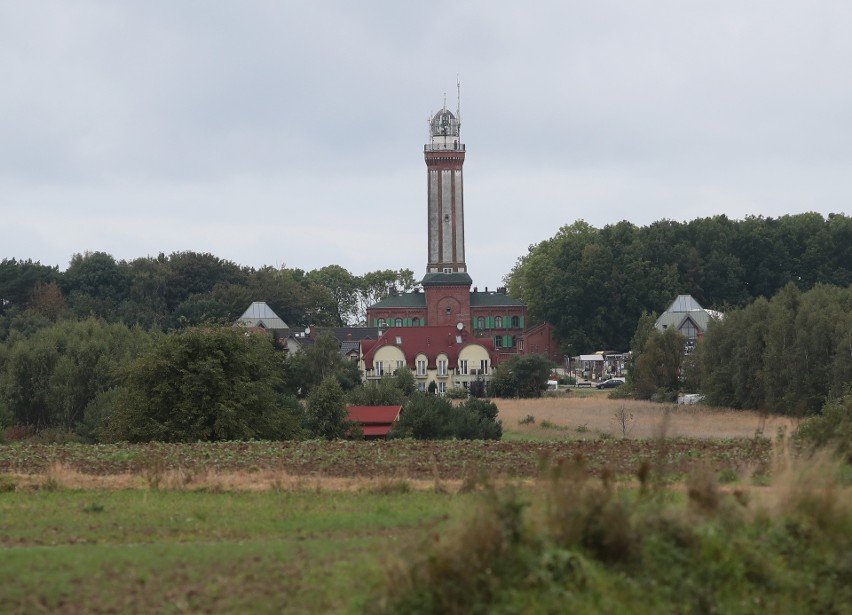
(458, 99)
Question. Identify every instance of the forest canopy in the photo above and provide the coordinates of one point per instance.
(184, 289)
(594, 284)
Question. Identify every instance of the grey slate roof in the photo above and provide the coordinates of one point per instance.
(349, 346)
(259, 314)
(447, 279)
(685, 303)
(677, 319)
(683, 307)
(405, 300)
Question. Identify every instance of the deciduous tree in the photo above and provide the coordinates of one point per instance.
(203, 384)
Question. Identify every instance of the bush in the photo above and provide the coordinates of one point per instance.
(522, 376)
(664, 396)
(385, 392)
(427, 417)
(55, 435)
(585, 546)
(625, 391)
(456, 393)
(833, 428)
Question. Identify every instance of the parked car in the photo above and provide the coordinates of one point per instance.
(610, 384)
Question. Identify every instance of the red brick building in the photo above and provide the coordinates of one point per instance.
(446, 298)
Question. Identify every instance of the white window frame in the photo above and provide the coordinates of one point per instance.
(442, 367)
(421, 367)
(379, 368)
(463, 367)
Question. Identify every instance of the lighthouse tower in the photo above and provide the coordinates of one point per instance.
(444, 160)
(446, 283)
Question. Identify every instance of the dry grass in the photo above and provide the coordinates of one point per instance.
(592, 415)
(63, 477)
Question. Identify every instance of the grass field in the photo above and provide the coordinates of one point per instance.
(315, 527)
(122, 551)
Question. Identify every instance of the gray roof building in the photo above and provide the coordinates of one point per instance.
(687, 316)
(261, 315)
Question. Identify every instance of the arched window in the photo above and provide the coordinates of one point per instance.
(380, 322)
(498, 322)
(415, 322)
(398, 322)
(480, 323)
(516, 322)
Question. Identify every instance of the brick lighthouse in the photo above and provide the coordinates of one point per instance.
(447, 301)
(447, 283)
(444, 160)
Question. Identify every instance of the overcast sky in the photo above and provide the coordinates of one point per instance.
(291, 133)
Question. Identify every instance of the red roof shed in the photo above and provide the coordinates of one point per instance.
(376, 421)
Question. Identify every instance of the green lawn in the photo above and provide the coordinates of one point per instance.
(231, 552)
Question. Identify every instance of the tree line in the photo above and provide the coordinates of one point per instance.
(594, 284)
(184, 289)
(790, 354)
(94, 381)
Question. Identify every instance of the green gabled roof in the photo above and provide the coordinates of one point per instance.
(447, 279)
(405, 300)
(480, 299)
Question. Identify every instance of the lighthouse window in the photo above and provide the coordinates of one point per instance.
(446, 217)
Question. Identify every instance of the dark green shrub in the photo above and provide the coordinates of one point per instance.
(832, 428)
(456, 393)
(522, 376)
(427, 417)
(55, 435)
(384, 392)
(325, 411)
